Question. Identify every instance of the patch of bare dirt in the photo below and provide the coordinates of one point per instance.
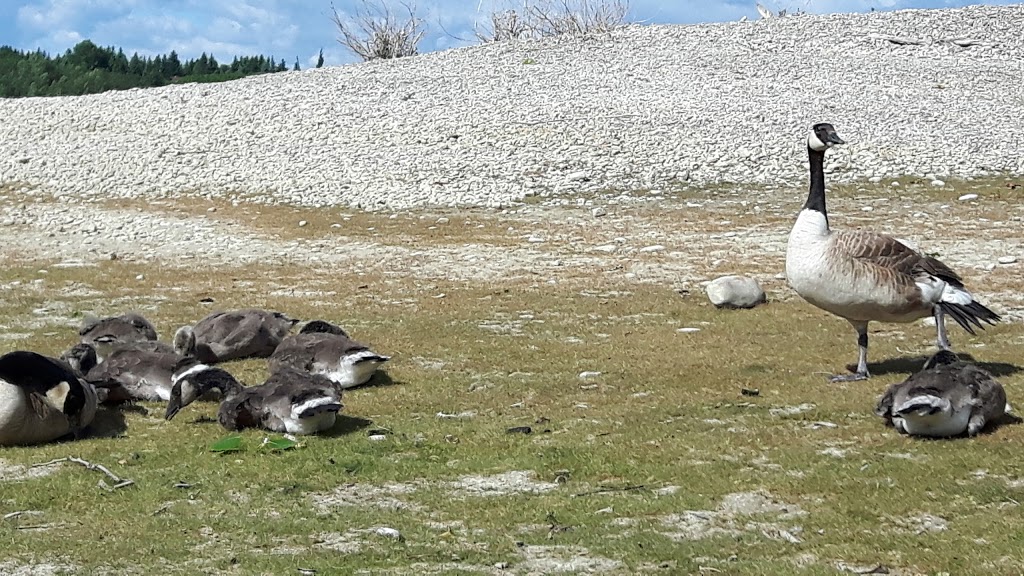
(387, 496)
(18, 473)
(505, 484)
(734, 516)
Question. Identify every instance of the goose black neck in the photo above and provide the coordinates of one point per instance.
(220, 380)
(816, 196)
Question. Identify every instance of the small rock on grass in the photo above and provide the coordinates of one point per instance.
(388, 532)
(735, 292)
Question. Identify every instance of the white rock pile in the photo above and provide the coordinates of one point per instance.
(934, 94)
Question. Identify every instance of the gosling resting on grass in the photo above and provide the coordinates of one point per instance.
(947, 398)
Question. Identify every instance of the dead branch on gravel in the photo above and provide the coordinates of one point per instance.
(118, 481)
(542, 18)
(504, 25)
(375, 32)
(575, 17)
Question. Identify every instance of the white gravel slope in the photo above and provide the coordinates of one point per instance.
(485, 126)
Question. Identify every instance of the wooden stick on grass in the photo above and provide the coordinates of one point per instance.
(118, 481)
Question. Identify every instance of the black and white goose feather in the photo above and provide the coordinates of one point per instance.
(290, 401)
(864, 276)
(41, 399)
(948, 397)
(325, 349)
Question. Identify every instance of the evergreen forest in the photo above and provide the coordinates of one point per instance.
(88, 69)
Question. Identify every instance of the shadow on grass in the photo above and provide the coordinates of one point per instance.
(108, 423)
(346, 425)
(914, 364)
(380, 379)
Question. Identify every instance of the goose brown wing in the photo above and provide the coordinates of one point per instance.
(889, 253)
(299, 350)
(120, 367)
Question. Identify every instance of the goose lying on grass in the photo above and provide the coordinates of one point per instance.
(127, 329)
(129, 372)
(324, 348)
(289, 401)
(863, 276)
(41, 399)
(947, 398)
(245, 333)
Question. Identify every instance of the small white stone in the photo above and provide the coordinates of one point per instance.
(140, 277)
(654, 248)
(387, 532)
(1006, 259)
(588, 374)
(687, 330)
(967, 197)
(535, 239)
(867, 208)
(609, 248)
(598, 212)
(735, 292)
(302, 223)
(938, 183)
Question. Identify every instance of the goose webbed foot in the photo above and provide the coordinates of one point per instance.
(855, 377)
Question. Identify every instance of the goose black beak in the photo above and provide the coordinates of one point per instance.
(834, 138)
(173, 407)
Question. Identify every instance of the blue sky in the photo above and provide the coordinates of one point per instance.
(291, 29)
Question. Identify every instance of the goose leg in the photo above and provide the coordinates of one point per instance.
(862, 358)
(940, 328)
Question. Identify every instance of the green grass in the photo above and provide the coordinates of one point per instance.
(662, 430)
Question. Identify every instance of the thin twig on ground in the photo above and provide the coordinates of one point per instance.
(20, 513)
(118, 481)
(604, 490)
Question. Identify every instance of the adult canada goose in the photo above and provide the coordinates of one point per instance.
(325, 349)
(863, 276)
(947, 398)
(131, 373)
(41, 399)
(245, 333)
(289, 401)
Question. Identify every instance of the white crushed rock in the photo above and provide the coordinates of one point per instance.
(725, 520)
(559, 559)
(19, 473)
(386, 496)
(479, 127)
(10, 567)
(791, 410)
(513, 482)
(349, 542)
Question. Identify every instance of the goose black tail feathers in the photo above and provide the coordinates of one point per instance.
(968, 314)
